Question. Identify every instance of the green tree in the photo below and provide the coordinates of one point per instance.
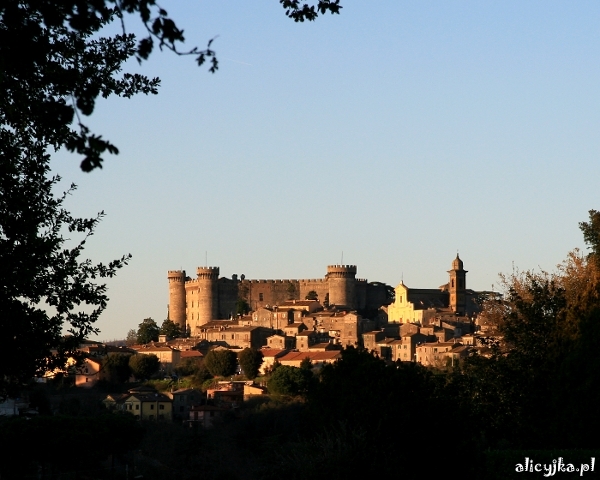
(537, 386)
(250, 361)
(131, 338)
(188, 366)
(148, 331)
(170, 329)
(144, 367)
(326, 301)
(290, 381)
(242, 307)
(117, 368)
(221, 363)
(591, 234)
(312, 295)
(291, 291)
(306, 364)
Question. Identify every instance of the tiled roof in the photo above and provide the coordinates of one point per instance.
(314, 356)
(191, 354)
(272, 352)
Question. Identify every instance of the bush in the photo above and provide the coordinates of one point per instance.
(221, 363)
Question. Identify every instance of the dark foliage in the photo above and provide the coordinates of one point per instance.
(170, 329)
(221, 363)
(290, 381)
(148, 331)
(250, 361)
(117, 368)
(31, 446)
(47, 288)
(144, 367)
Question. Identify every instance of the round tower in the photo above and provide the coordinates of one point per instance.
(341, 280)
(208, 301)
(177, 297)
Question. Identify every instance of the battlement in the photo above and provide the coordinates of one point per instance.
(341, 271)
(272, 281)
(176, 275)
(208, 273)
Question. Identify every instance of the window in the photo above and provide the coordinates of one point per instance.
(260, 297)
(151, 406)
(181, 408)
(137, 407)
(161, 407)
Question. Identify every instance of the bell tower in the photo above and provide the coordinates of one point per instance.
(458, 287)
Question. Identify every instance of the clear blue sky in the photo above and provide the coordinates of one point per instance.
(397, 132)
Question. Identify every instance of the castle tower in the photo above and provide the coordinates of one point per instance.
(341, 279)
(177, 297)
(458, 286)
(208, 301)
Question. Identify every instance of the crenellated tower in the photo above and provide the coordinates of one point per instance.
(177, 297)
(457, 286)
(206, 296)
(342, 279)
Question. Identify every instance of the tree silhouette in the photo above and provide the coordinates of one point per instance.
(47, 288)
(250, 361)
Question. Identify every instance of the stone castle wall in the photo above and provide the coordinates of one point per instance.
(197, 301)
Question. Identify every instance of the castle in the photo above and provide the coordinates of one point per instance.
(195, 302)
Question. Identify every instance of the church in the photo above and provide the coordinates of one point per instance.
(422, 305)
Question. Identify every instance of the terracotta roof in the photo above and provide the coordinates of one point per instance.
(191, 354)
(314, 356)
(272, 352)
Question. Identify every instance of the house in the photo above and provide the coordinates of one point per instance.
(280, 342)
(270, 355)
(183, 400)
(168, 357)
(294, 329)
(318, 359)
(407, 349)
(233, 335)
(90, 372)
(305, 339)
(143, 403)
(432, 354)
(227, 394)
(370, 339)
(205, 416)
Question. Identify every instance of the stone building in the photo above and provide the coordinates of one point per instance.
(194, 302)
(422, 305)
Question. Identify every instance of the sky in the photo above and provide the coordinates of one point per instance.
(391, 137)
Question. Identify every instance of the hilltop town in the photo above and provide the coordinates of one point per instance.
(286, 324)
